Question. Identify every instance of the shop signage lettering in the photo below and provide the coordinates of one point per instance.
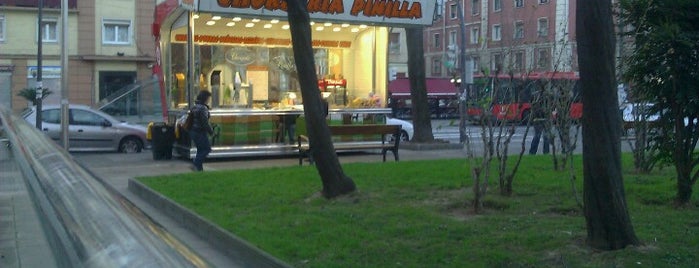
(6, 68)
(240, 56)
(387, 8)
(228, 39)
(369, 8)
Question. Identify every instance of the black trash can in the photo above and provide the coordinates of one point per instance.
(162, 138)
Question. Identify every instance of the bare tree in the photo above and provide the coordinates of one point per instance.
(335, 182)
(608, 223)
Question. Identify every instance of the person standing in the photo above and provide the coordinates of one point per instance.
(539, 121)
(201, 129)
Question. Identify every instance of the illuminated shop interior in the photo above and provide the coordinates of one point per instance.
(247, 63)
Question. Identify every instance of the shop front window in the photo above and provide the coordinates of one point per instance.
(253, 67)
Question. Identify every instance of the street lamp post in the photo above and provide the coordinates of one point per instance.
(39, 84)
(456, 80)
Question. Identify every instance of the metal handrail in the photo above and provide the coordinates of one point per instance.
(125, 91)
(88, 224)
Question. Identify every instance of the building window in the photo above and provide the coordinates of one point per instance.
(497, 62)
(394, 43)
(543, 59)
(543, 27)
(476, 64)
(475, 35)
(497, 5)
(2, 28)
(452, 11)
(436, 67)
(541, 2)
(440, 11)
(452, 38)
(519, 3)
(518, 63)
(49, 30)
(519, 30)
(437, 42)
(116, 32)
(497, 32)
(475, 7)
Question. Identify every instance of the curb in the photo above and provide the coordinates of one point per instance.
(219, 238)
(436, 145)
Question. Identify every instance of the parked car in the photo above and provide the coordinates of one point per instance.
(406, 132)
(90, 129)
(632, 112)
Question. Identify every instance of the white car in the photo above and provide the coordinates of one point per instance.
(632, 112)
(90, 129)
(406, 132)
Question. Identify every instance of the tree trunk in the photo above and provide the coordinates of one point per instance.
(682, 156)
(608, 223)
(418, 86)
(684, 185)
(335, 182)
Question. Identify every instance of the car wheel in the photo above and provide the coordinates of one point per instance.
(404, 136)
(130, 145)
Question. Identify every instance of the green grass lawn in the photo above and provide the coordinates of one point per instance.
(417, 214)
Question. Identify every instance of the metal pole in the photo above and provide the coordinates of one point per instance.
(190, 58)
(39, 84)
(64, 74)
(463, 78)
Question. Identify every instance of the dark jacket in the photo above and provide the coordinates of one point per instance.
(201, 118)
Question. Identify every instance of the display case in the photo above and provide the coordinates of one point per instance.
(243, 132)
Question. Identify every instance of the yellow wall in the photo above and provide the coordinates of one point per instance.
(18, 42)
(381, 72)
(115, 67)
(362, 64)
(110, 10)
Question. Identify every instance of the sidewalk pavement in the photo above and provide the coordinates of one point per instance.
(118, 169)
(23, 242)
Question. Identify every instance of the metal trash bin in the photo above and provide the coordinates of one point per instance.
(162, 138)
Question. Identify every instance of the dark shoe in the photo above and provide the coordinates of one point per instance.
(193, 168)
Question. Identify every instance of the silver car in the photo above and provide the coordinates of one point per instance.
(90, 129)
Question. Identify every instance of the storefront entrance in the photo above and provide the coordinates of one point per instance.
(114, 89)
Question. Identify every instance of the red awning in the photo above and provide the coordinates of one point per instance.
(435, 87)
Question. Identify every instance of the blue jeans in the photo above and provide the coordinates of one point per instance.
(538, 130)
(201, 140)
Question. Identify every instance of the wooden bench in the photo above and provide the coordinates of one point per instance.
(357, 137)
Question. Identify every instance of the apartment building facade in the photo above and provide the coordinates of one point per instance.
(110, 45)
(515, 37)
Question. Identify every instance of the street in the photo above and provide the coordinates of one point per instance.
(448, 130)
